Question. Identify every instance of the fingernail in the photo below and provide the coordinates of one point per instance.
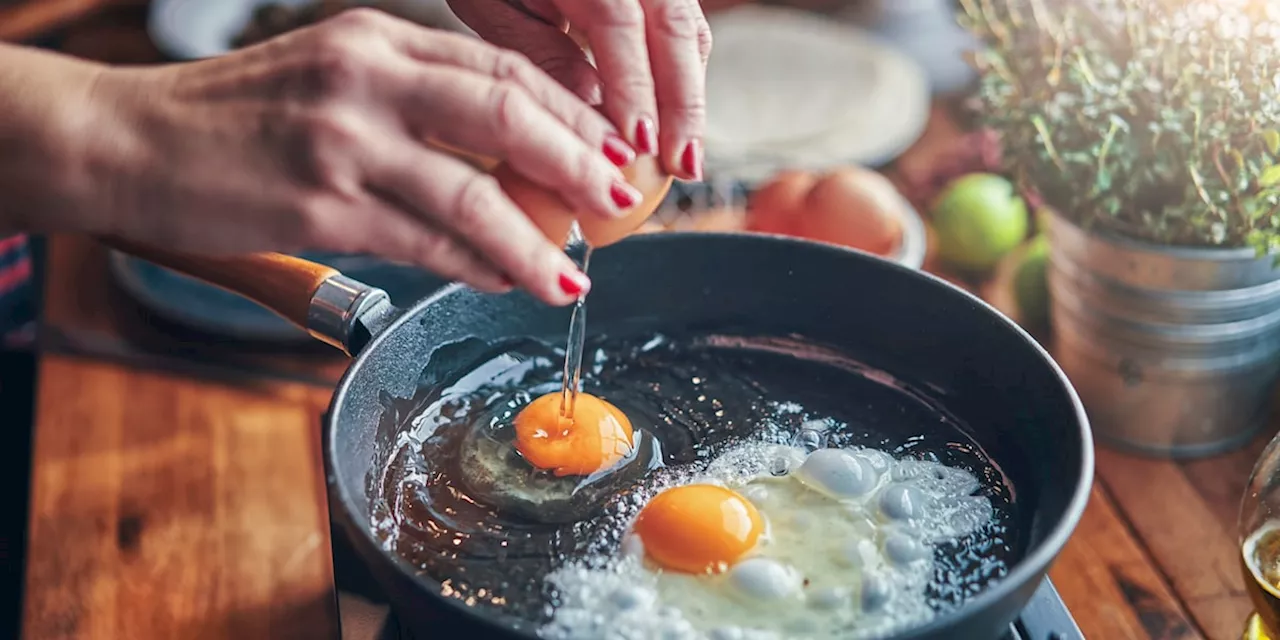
(618, 151)
(691, 160)
(574, 283)
(624, 195)
(646, 135)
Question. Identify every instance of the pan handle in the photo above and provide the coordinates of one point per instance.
(333, 308)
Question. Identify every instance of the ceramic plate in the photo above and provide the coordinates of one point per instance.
(788, 89)
(193, 29)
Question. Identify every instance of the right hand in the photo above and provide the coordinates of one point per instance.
(319, 140)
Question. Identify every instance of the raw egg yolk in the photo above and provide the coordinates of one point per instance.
(595, 438)
(698, 528)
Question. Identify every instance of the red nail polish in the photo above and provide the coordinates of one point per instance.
(646, 135)
(618, 151)
(691, 160)
(574, 283)
(624, 195)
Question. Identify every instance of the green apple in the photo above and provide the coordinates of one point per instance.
(979, 218)
(1030, 288)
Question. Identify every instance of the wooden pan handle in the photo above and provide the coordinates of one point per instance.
(281, 283)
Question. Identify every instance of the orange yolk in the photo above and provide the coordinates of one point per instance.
(596, 438)
(698, 528)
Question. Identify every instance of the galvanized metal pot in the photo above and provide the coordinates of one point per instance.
(1174, 351)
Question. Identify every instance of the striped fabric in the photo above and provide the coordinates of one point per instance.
(17, 295)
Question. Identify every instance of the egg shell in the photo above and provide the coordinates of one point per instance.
(555, 217)
(856, 208)
(773, 208)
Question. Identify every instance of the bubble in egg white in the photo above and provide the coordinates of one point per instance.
(902, 502)
(859, 554)
(902, 549)
(780, 466)
(765, 579)
(875, 592)
(745, 463)
(631, 597)
(809, 440)
(879, 460)
(838, 473)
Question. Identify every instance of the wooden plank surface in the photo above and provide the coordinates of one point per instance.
(1112, 586)
(166, 507)
(1185, 515)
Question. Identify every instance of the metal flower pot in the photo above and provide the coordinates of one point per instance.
(1174, 351)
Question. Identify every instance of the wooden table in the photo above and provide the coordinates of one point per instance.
(168, 505)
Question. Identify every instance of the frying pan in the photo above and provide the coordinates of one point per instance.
(1018, 405)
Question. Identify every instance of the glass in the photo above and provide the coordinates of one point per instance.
(1259, 544)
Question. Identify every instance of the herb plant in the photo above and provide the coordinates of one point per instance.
(1158, 120)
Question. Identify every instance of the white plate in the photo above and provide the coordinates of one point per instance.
(790, 89)
(193, 29)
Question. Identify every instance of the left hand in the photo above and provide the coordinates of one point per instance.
(650, 63)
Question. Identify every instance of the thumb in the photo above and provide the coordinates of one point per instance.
(540, 37)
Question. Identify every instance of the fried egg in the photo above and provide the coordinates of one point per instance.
(775, 541)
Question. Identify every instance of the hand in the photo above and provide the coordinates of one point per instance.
(319, 140)
(651, 57)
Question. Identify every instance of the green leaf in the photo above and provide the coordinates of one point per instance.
(1272, 138)
(1270, 176)
(1103, 182)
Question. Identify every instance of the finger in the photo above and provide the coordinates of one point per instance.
(406, 237)
(472, 207)
(541, 37)
(678, 38)
(500, 119)
(387, 230)
(518, 32)
(616, 33)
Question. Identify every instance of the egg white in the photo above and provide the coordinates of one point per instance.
(847, 552)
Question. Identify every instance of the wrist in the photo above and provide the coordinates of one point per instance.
(62, 143)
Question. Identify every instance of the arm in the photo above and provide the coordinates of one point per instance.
(50, 150)
(319, 139)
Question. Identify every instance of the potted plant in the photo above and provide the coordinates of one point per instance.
(1151, 130)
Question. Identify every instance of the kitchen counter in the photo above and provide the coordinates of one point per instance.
(179, 496)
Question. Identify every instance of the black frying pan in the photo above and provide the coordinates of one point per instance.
(985, 370)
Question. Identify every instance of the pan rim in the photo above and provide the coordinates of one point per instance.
(1024, 572)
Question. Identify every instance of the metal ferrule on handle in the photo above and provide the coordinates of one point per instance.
(338, 308)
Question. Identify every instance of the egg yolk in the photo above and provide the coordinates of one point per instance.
(698, 528)
(595, 438)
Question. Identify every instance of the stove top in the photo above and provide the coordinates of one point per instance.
(366, 616)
